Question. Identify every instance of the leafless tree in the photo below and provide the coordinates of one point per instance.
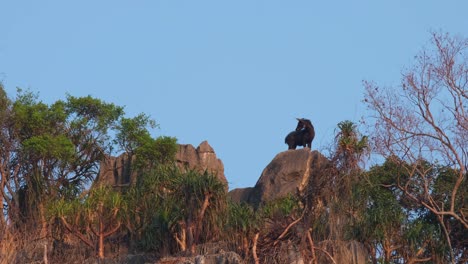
(425, 120)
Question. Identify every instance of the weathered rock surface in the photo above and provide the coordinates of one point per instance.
(203, 158)
(241, 194)
(116, 171)
(288, 173)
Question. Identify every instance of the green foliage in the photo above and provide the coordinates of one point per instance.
(47, 146)
(101, 202)
(443, 185)
(167, 200)
(32, 118)
(280, 208)
(192, 191)
(93, 218)
(152, 152)
(167, 149)
(389, 221)
(192, 187)
(241, 218)
(383, 214)
(134, 138)
(350, 145)
(156, 236)
(64, 208)
(152, 206)
(57, 148)
(133, 133)
(106, 198)
(102, 115)
(4, 104)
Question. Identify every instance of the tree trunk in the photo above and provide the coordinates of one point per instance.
(387, 248)
(372, 254)
(46, 260)
(102, 234)
(2, 217)
(2, 186)
(190, 237)
(254, 249)
(77, 233)
(101, 240)
(201, 215)
(182, 239)
(44, 230)
(245, 245)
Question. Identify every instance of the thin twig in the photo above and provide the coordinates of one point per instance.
(326, 253)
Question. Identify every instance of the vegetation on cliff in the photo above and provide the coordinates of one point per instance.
(412, 208)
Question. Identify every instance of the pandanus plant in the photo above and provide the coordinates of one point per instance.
(94, 218)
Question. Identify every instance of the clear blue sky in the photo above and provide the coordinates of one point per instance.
(235, 73)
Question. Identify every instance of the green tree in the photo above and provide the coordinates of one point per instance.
(202, 197)
(50, 152)
(94, 218)
(145, 151)
(350, 146)
(392, 227)
(59, 147)
(242, 225)
(423, 121)
(171, 205)
(152, 220)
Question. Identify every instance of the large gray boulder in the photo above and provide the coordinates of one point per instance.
(290, 172)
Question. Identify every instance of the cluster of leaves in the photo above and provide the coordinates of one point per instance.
(92, 218)
(174, 209)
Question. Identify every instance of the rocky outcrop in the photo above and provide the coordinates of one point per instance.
(241, 194)
(203, 158)
(116, 171)
(288, 173)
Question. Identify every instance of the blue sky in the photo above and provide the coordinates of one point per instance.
(235, 73)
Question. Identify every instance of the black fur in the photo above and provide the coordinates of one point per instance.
(302, 136)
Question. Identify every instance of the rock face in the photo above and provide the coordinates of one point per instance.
(240, 194)
(288, 173)
(116, 171)
(203, 158)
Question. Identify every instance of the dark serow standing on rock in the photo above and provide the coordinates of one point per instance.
(302, 136)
